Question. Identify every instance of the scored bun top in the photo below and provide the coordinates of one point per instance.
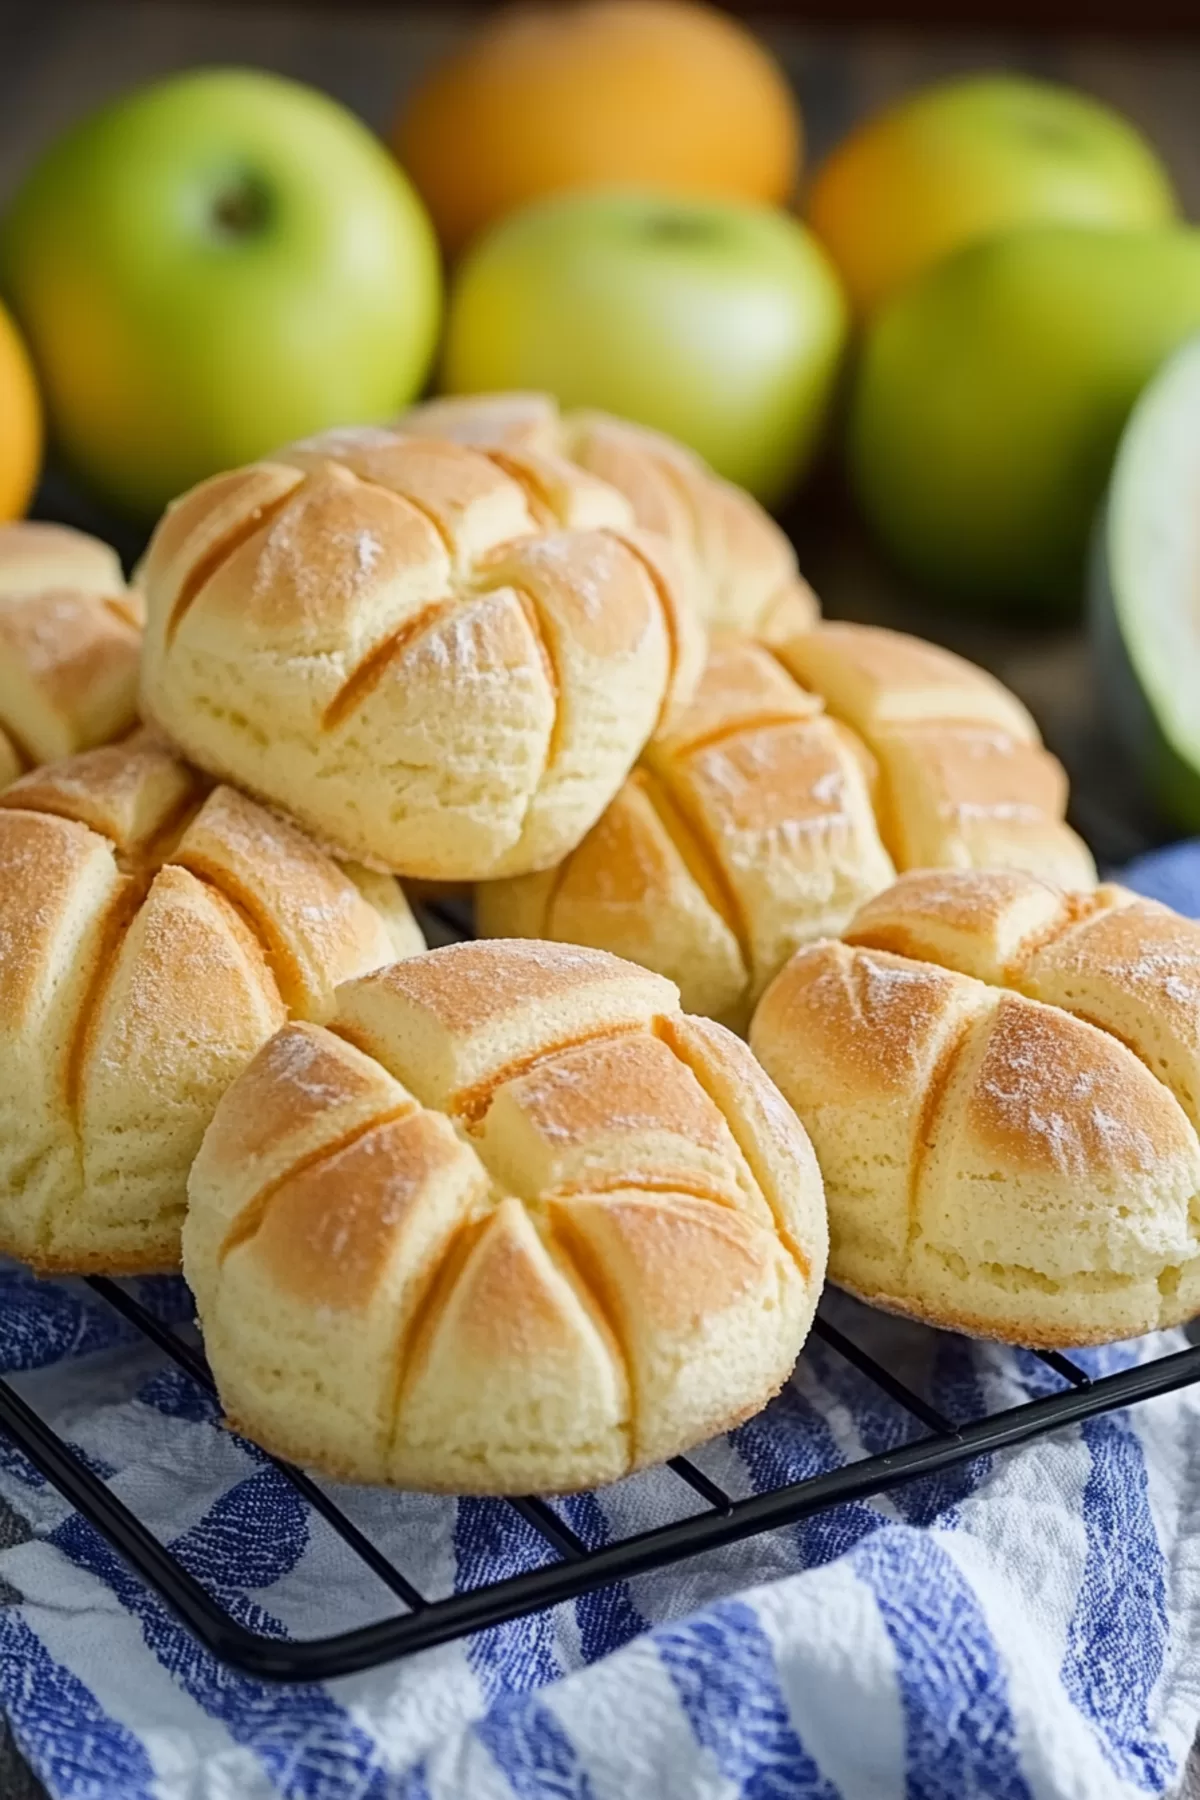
(1002, 1083)
(521, 1223)
(1123, 962)
(152, 934)
(766, 811)
(70, 632)
(748, 578)
(441, 660)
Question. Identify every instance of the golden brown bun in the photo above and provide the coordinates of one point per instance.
(1126, 964)
(441, 661)
(152, 936)
(69, 642)
(994, 1162)
(765, 812)
(748, 579)
(964, 781)
(511, 1222)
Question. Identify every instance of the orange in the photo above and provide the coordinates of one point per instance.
(660, 92)
(20, 423)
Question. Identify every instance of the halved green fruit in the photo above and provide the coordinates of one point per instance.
(1145, 587)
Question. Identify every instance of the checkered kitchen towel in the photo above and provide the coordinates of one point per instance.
(1024, 1628)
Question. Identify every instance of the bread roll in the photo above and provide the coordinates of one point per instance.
(440, 661)
(764, 813)
(510, 1222)
(69, 641)
(1126, 964)
(994, 1161)
(152, 936)
(964, 780)
(748, 579)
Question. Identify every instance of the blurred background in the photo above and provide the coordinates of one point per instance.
(995, 367)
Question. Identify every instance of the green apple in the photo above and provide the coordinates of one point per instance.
(211, 266)
(1144, 618)
(720, 323)
(991, 394)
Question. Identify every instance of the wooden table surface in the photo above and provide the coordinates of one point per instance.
(59, 57)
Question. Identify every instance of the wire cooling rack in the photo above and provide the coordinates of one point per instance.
(575, 1568)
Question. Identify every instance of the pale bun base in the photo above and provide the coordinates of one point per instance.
(308, 1451)
(1122, 1308)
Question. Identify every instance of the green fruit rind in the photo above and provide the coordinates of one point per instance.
(1145, 587)
(990, 397)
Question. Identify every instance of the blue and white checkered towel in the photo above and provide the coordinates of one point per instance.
(1024, 1628)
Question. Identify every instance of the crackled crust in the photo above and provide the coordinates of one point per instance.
(510, 1222)
(1001, 1080)
(441, 660)
(153, 934)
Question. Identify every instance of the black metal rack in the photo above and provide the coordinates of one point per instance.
(577, 1568)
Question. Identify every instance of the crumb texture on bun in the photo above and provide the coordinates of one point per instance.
(510, 1221)
(1002, 1082)
(70, 635)
(800, 777)
(442, 660)
(154, 932)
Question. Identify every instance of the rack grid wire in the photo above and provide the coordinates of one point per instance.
(576, 1569)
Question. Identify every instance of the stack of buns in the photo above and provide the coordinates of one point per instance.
(154, 933)
(441, 660)
(503, 1216)
(1002, 1084)
(70, 635)
(790, 790)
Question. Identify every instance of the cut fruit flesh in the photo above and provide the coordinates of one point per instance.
(1145, 587)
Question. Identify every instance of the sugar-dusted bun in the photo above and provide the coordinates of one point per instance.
(1126, 964)
(511, 1222)
(442, 661)
(763, 814)
(152, 936)
(69, 642)
(748, 579)
(964, 780)
(994, 1161)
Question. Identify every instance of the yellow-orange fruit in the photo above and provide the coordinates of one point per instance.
(20, 423)
(552, 97)
(971, 158)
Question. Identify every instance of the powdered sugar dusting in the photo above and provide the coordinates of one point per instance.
(367, 551)
(47, 629)
(757, 775)
(995, 809)
(979, 743)
(894, 1005)
(316, 566)
(587, 562)
(1144, 949)
(467, 643)
(341, 439)
(1063, 1094)
(303, 1063)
